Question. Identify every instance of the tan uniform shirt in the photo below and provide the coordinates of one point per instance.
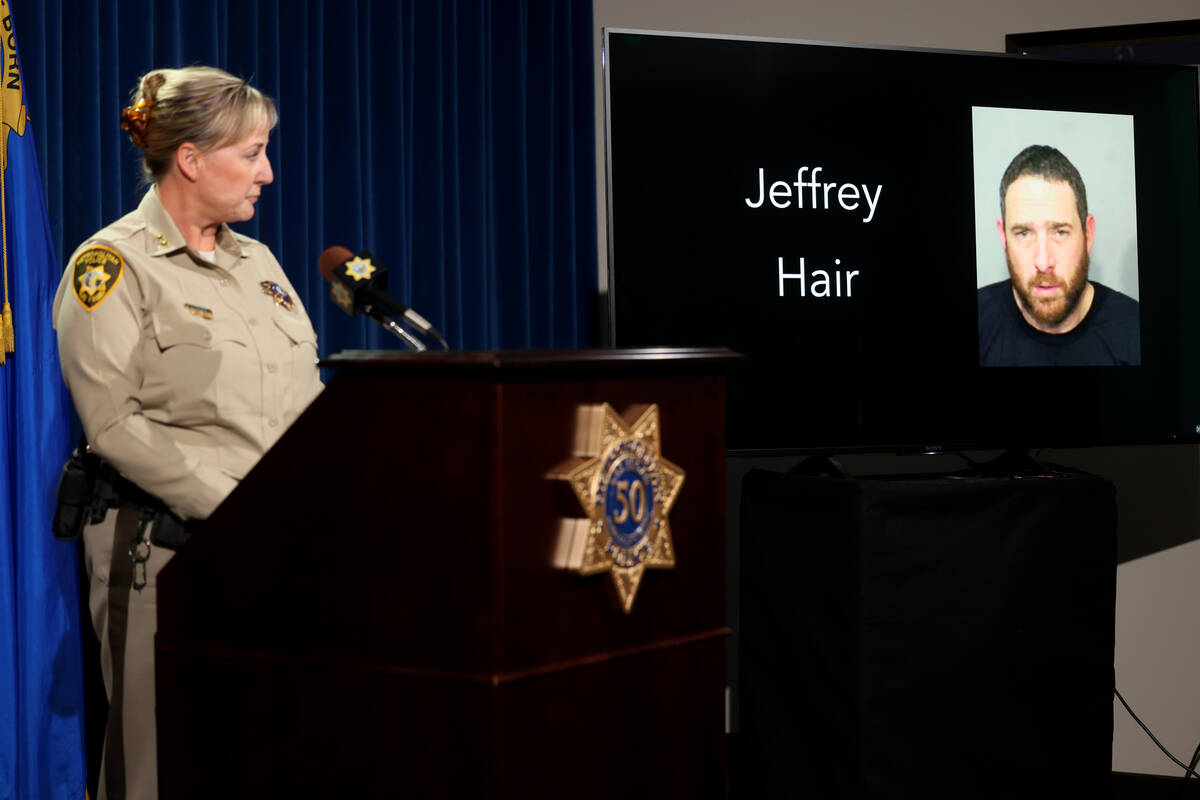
(183, 372)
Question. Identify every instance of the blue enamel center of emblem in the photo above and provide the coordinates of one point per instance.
(628, 504)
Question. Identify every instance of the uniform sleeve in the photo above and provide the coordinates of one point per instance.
(100, 323)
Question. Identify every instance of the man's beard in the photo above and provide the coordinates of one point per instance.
(1050, 311)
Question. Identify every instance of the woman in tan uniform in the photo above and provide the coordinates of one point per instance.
(187, 353)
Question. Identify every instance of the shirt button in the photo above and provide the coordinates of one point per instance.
(224, 281)
(207, 335)
(271, 367)
(253, 320)
(273, 422)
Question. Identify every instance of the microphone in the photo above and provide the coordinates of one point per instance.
(360, 287)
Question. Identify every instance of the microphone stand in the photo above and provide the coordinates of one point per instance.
(412, 318)
(387, 323)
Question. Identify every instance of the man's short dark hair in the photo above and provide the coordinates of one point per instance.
(1047, 163)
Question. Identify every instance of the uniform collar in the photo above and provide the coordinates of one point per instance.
(164, 236)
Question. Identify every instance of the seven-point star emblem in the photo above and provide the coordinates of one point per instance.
(626, 490)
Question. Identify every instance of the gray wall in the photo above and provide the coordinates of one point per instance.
(1158, 654)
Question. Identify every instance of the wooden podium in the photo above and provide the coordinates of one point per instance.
(375, 611)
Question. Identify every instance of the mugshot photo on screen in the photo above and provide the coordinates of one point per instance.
(1055, 238)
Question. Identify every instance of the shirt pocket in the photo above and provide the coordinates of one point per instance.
(300, 336)
(194, 369)
(298, 331)
(299, 365)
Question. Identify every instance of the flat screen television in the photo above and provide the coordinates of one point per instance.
(834, 212)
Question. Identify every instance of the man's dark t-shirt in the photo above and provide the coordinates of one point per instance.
(1109, 335)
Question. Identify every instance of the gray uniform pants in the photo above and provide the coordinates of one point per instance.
(125, 621)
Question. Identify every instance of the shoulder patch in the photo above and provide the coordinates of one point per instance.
(97, 272)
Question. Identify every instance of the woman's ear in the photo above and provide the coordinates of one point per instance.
(187, 159)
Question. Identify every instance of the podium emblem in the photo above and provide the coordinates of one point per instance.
(626, 489)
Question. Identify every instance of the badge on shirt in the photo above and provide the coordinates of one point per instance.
(276, 291)
(97, 272)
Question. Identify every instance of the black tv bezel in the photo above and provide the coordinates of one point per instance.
(1173, 433)
(1150, 42)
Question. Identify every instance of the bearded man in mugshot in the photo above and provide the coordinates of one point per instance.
(1048, 313)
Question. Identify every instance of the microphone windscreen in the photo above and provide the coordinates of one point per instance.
(331, 258)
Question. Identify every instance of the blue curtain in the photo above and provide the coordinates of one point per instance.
(453, 139)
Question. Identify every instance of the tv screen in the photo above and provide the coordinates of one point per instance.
(918, 250)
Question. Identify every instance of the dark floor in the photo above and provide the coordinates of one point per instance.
(1123, 785)
(1132, 786)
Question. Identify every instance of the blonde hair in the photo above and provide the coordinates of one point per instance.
(203, 105)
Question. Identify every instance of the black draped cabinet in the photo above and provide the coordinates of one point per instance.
(928, 636)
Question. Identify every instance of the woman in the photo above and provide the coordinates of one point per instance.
(187, 354)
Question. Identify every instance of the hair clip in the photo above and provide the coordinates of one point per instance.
(136, 119)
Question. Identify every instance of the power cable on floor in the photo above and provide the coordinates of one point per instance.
(1188, 771)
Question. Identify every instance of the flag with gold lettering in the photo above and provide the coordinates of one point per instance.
(41, 680)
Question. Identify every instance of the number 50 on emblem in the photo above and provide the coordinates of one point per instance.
(626, 489)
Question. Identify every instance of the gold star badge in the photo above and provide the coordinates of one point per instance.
(626, 490)
(359, 268)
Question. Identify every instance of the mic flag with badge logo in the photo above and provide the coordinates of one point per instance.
(41, 680)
